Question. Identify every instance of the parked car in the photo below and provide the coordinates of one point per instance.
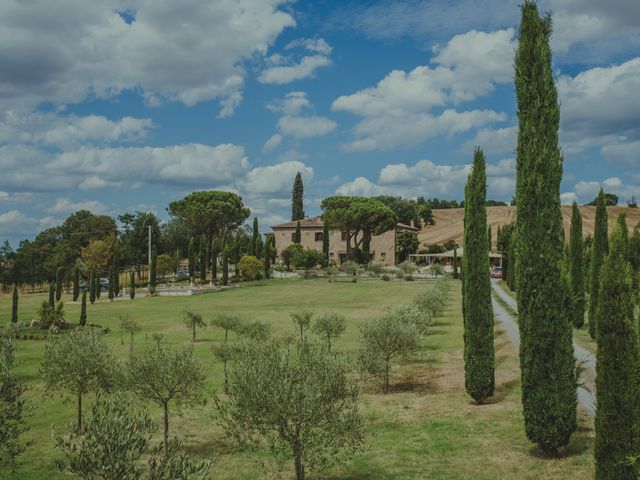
(496, 272)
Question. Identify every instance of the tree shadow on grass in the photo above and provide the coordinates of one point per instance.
(580, 442)
(502, 390)
(371, 473)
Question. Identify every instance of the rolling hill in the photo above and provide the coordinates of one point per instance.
(449, 222)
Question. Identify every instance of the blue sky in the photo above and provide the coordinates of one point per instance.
(124, 105)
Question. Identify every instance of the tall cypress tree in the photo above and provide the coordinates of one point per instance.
(14, 304)
(98, 285)
(52, 294)
(599, 250)
(267, 259)
(191, 258)
(116, 274)
(544, 305)
(489, 239)
(237, 248)
(297, 207)
(617, 382)
(456, 273)
(325, 243)
(214, 259)
(111, 282)
(576, 248)
(83, 309)
(479, 353)
(225, 260)
(366, 246)
(92, 286)
(132, 284)
(203, 259)
(254, 237)
(511, 256)
(59, 279)
(153, 266)
(76, 284)
(622, 223)
(297, 236)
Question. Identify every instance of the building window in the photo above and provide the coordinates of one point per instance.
(318, 236)
(332, 254)
(344, 236)
(383, 254)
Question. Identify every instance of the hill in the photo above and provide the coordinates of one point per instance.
(449, 222)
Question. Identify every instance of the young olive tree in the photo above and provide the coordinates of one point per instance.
(329, 326)
(131, 327)
(432, 301)
(12, 406)
(255, 330)
(298, 400)
(385, 340)
(162, 375)
(193, 320)
(77, 363)
(302, 321)
(228, 322)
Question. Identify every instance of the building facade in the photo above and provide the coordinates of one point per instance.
(383, 247)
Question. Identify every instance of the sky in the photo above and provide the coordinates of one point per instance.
(126, 105)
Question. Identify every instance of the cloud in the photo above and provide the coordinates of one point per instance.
(494, 140)
(586, 191)
(292, 104)
(306, 127)
(274, 180)
(18, 126)
(181, 54)
(397, 111)
(66, 206)
(16, 224)
(426, 178)
(286, 70)
(273, 143)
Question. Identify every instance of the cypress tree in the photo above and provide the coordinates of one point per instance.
(98, 285)
(110, 282)
(203, 259)
(153, 270)
(547, 362)
(622, 223)
(214, 259)
(52, 294)
(325, 244)
(14, 304)
(456, 274)
(92, 286)
(576, 273)
(479, 353)
(83, 309)
(225, 261)
(259, 246)
(237, 248)
(132, 285)
(297, 237)
(617, 382)
(366, 246)
(76, 284)
(599, 249)
(191, 259)
(267, 259)
(297, 208)
(58, 284)
(254, 237)
(511, 256)
(116, 274)
(489, 236)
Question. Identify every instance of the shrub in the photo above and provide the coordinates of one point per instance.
(407, 268)
(408, 278)
(249, 267)
(376, 267)
(49, 315)
(385, 277)
(350, 267)
(431, 300)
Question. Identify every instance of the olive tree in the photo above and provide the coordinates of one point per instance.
(193, 320)
(299, 401)
(228, 322)
(329, 326)
(12, 406)
(385, 340)
(162, 376)
(131, 327)
(77, 363)
(302, 321)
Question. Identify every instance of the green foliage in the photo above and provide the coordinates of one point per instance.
(385, 340)
(92, 286)
(228, 322)
(164, 264)
(76, 284)
(406, 210)
(249, 267)
(111, 282)
(52, 300)
(297, 236)
(77, 363)
(598, 253)
(134, 237)
(408, 268)
(215, 251)
(610, 199)
(479, 353)
(302, 321)
(83, 309)
(456, 270)
(297, 205)
(50, 315)
(12, 406)
(254, 330)
(408, 244)
(255, 234)
(153, 269)
(576, 248)
(162, 376)
(325, 245)
(329, 327)
(289, 253)
(14, 304)
(307, 259)
(411, 314)
(432, 301)
(544, 303)
(131, 327)
(617, 421)
(193, 320)
(59, 280)
(98, 287)
(436, 269)
(299, 401)
(202, 256)
(267, 259)
(191, 258)
(132, 284)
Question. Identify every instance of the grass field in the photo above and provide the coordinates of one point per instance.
(426, 428)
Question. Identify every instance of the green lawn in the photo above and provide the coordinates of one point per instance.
(426, 428)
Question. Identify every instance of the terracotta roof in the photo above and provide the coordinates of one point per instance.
(316, 222)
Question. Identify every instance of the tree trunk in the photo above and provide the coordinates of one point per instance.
(193, 338)
(131, 346)
(79, 429)
(165, 406)
(226, 383)
(386, 377)
(299, 465)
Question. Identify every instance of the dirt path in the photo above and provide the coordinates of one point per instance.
(586, 393)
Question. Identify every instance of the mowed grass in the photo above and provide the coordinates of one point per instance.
(426, 428)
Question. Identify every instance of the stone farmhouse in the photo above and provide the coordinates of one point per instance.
(383, 247)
